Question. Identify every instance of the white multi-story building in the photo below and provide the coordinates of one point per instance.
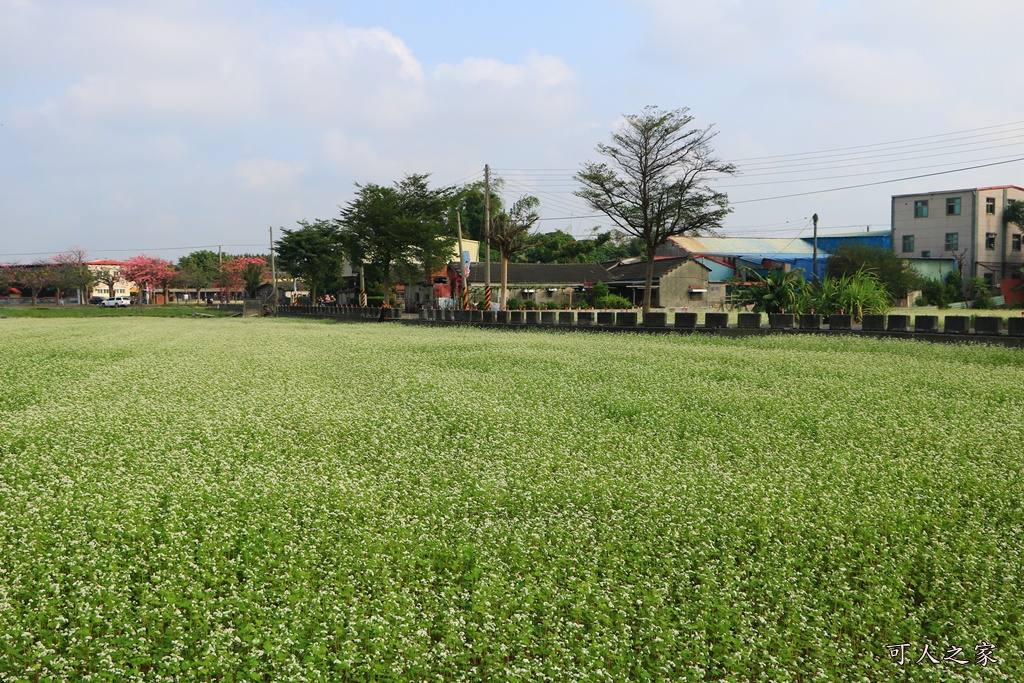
(967, 225)
(103, 267)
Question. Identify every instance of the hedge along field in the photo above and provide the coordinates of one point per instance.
(279, 500)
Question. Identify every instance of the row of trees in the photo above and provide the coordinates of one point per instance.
(654, 184)
(64, 272)
(408, 228)
(70, 271)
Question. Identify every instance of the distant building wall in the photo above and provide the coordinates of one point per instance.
(966, 224)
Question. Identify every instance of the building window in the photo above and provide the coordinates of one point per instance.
(952, 241)
(926, 254)
(1015, 242)
(990, 240)
(921, 208)
(908, 243)
(990, 206)
(953, 206)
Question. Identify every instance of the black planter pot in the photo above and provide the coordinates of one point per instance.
(748, 321)
(686, 321)
(840, 321)
(716, 321)
(810, 321)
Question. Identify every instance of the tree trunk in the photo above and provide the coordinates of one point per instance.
(430, 284)
(504, 282)
(649, 284)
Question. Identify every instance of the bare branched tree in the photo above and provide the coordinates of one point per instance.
(656, 183)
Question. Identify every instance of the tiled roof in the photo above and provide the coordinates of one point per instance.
(635, 272)
(542, 273)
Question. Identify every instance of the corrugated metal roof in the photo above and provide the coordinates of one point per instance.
(774, 248)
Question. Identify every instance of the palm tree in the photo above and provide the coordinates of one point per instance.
(508, 234)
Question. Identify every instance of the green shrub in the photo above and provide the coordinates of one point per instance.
(979, 291)
(789, 292)
(778, 291)
(942, 293)
(859, 294)
(613, 301)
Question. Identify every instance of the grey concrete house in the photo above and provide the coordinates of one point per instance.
(679, 282)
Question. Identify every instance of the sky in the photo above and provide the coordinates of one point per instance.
(159, 127)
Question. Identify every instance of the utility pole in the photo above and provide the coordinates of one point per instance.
(462, 267)
(362, 287)
(487, 237)
(815, 262)
(273, 270)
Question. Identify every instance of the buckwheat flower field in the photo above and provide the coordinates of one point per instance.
(274, 500)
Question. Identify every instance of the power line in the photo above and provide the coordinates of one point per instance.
(880, 182)
(858, 161)
(726, 185)
(879, 144)
(95, 251)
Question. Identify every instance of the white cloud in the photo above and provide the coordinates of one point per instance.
(268, 172)
(190, 115)
(535, 72)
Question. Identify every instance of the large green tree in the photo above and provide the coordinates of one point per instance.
(427, 213)
(656, 183)
(314, 253)
(371, 226)
(471, 201)
(405, 226)
(198, 270)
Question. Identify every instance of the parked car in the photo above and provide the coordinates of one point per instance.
(117, 302)
(97, 299)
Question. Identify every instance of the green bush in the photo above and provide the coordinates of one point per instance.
(942, 293)
(613, 301)
(858, 295)
(513, 304)
(789, 292)
(778, 291)
(979, 291)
